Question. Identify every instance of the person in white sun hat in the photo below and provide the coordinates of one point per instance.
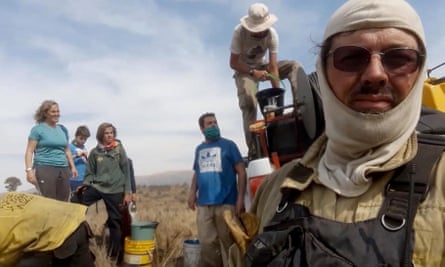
(251, 40)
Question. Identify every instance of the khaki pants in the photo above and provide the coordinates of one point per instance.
(247, 89)
(214, 235)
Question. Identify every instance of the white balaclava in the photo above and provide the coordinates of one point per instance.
(358, 142)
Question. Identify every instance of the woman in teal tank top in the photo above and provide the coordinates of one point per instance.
(48, 160)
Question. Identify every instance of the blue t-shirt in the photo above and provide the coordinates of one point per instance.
(79, 162)
(214, 165)
(51, 144)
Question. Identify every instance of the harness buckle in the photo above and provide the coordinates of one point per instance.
(280, 208)
(392, 224)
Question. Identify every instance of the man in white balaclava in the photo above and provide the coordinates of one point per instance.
(350, 201)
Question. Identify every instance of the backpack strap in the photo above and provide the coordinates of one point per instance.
(407, 190)
(409, 186)
(64, 129)
(301, 175)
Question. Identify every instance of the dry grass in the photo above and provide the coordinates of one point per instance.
(164, 204)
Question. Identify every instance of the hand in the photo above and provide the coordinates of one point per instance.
(79, 152)
(133, 197)
(127, 198)
(260, 75)
(74, 173)
(192, 201)
(240, 208)
(31, 177)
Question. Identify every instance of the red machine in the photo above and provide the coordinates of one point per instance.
(286, 131)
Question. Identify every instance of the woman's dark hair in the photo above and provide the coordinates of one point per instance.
(101, 131)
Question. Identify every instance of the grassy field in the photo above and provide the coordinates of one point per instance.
(164, 204)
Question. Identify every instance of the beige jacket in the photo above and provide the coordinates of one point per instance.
(429, 223)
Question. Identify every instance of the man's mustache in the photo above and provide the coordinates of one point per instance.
(372, 90)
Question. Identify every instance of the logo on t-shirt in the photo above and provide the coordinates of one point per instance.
(253, 52)
(210, 160)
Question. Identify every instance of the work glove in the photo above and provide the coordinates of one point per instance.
(242, 228)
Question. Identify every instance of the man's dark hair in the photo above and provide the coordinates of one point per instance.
(203, 116)
(83, 131)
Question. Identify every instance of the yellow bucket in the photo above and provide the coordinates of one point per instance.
(139, 252)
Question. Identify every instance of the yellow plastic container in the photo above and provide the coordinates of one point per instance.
(139, 252)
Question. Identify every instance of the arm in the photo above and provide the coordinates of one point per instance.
(193, 190)
(90, 172)
(273, 69)
(69, 158)
(30, 148)
(132, 180)
(243, 68)
(237, 65)
(241, 171)
(124, 165)
(235, 53)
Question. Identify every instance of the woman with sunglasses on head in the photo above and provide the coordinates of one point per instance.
(367, 192)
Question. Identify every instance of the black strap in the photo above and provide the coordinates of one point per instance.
(432, 139)
(299, 174)
(407, 190)
(415, 178)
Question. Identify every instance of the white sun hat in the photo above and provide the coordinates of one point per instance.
(258, 18)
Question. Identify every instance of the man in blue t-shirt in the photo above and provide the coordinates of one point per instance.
(215, 189)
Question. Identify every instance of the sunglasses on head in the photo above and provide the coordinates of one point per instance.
(400, 60)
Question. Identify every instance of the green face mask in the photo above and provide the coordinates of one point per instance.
(212, 133)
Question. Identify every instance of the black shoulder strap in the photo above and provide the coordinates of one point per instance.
(64, 129)
(432, 139)
(407, 190)
(299, 174)
(414, 177)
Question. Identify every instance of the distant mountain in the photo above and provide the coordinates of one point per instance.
(165, 178)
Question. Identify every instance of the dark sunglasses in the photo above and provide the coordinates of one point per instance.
(401, 60)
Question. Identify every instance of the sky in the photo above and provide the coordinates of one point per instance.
(150, 67)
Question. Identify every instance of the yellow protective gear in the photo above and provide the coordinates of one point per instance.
(242, 228)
